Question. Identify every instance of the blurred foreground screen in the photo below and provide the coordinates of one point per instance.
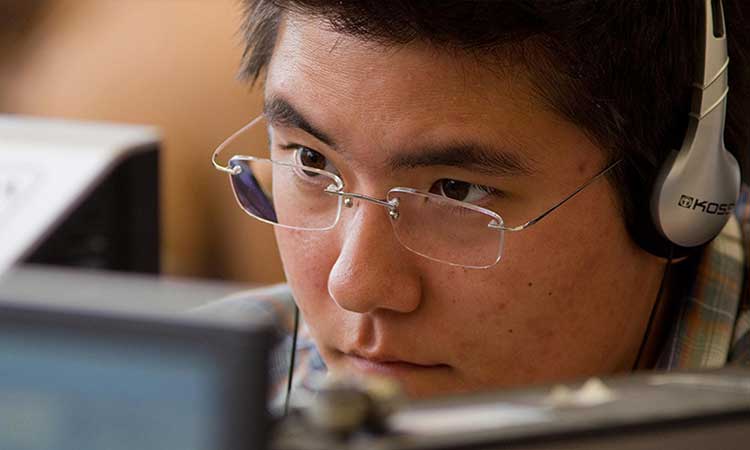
(90, 361)
(63, 391)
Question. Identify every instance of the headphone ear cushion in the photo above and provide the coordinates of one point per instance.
(640, 226)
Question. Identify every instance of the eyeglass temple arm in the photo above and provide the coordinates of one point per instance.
(561, 202)
(223, 145)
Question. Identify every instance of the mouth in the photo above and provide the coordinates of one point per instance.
(388, 366)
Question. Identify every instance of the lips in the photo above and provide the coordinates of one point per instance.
(384, 364)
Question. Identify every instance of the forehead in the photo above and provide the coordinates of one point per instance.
(313, 62)
(386, 95)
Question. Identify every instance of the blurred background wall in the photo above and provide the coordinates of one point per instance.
(168, 63)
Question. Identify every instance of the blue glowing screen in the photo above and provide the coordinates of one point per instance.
(61, 392)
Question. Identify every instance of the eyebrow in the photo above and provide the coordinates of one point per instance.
(280, 112)
(470, 156)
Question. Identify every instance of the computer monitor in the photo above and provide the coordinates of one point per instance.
(79, 194)
(113, 362)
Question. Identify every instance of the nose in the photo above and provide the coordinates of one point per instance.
(373, 271)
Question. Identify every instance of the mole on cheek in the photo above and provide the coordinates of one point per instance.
(530, 284)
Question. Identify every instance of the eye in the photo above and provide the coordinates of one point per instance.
(308, 157)
(462, 191)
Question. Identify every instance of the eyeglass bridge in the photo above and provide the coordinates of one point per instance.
(348, 197)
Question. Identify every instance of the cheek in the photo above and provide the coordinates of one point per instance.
(307, 258)
(558, 304)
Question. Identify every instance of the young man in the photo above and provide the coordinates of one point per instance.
(446, 129)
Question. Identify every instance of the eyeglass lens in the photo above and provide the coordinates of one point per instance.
(445, 230)
(284, 195)
(437, 228)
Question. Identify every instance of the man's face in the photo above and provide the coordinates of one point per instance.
(571, 294)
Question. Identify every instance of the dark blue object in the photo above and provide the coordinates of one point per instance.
(249, 193)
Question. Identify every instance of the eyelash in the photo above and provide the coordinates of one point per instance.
(296, 147)
(489, 190)
(492, 193)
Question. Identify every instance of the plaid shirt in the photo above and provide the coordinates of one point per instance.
(713, 324)
(711, 329)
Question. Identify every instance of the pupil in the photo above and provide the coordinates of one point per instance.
(457, 190)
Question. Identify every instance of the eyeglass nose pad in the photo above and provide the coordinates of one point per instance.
(335, 190)
(393, 209)
(494, 224)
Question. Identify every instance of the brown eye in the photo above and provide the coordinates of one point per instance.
(463, 191)
(308, 157)
(311, 158)
(457, 190)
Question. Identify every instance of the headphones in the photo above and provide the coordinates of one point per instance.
(697, 187)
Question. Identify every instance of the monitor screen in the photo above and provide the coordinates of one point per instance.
(128, 371)
(63, 391)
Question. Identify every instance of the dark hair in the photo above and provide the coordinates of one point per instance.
(622, 70)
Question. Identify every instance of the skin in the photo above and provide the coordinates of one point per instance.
(571, 295)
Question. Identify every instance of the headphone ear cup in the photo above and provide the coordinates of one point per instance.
(641, 228)
(697, 187)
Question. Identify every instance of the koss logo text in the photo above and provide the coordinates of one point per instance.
(696, 204)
